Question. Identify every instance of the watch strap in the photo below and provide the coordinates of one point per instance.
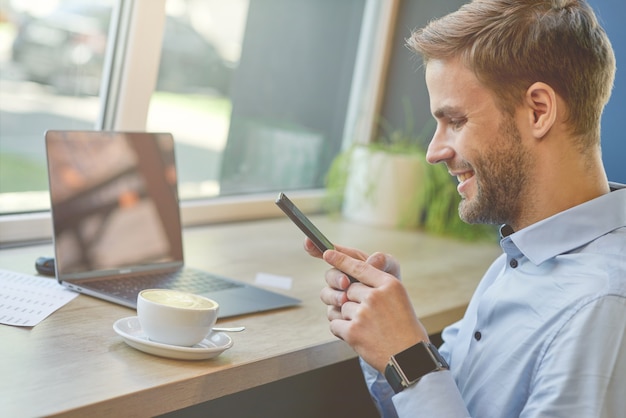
(427, 354)
(393, 378)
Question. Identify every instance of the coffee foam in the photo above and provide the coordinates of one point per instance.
(178, 299)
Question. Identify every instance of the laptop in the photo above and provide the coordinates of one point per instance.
(116, 222)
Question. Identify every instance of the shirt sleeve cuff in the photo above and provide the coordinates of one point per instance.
(379, 389)
(435, 395)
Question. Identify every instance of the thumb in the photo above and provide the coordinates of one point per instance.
(378, 260)
(384, 262)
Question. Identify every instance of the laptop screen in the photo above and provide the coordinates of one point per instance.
(114, 202)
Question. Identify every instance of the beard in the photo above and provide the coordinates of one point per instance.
(501, 176)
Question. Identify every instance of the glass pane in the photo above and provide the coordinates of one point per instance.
(51, 57)
(255, 92)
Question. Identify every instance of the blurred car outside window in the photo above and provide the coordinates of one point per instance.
(51, 57)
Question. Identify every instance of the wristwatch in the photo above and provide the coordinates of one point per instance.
(407, 367)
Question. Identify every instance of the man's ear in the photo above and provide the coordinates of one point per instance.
(541, 103)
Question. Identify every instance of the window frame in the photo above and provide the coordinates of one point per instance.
(129, 77)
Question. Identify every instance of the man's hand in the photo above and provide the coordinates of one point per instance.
(374, 316)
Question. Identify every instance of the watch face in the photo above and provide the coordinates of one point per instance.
(415, 362)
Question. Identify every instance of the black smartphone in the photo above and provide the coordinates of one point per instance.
(291, 210)
(321, 242)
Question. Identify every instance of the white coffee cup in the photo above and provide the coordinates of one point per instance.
(174, 317)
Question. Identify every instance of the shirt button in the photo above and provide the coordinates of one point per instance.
(513, 263)
(477, 335)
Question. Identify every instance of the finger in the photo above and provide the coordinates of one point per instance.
(362, 271)
(384, 262)
(339, 328)
(348, 310)
(310, 248)
(352, 252)
(333, 313)
(337, 280)
(332, 297)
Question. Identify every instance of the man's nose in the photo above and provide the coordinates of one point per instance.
(439, 149)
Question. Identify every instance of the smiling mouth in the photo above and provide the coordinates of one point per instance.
(464, 176)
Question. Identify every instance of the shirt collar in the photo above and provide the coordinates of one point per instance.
(570, 229)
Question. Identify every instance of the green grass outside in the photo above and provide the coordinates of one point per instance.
(19, 174)
(218, 106)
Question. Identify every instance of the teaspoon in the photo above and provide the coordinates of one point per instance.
(228, 329)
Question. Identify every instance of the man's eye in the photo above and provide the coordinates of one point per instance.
(457, 123)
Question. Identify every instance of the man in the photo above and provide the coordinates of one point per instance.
(517, 88)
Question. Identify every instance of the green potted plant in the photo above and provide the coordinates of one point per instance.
(389, 183)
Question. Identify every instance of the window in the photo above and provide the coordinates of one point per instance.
(255, 92)
(51, 58)
(260, 95)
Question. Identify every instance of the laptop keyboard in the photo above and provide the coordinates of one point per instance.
(187, 280)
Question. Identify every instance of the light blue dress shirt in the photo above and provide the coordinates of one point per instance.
(545, 332)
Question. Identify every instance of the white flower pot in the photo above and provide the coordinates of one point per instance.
(384, 189)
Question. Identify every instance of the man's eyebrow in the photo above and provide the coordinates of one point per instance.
(446, 111)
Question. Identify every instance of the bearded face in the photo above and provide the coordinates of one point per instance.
(501, 175)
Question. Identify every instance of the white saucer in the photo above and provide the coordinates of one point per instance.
(212, 346)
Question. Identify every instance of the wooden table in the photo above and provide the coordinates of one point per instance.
(286, 362)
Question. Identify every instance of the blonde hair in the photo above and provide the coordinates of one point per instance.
(511, 44)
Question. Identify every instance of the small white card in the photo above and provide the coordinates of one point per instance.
(272, 280)
(26, 300)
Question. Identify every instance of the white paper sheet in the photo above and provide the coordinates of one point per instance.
(26, 300)
(272, 280)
